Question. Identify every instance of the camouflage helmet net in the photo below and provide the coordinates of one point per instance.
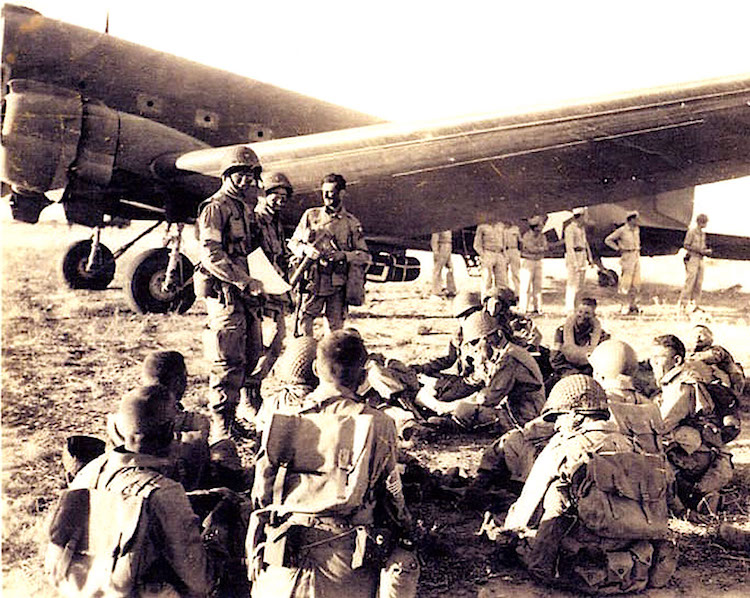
(295, 364)
(478, 325)
(577, 393)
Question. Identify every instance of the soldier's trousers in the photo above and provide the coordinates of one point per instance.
(275, 324)
(530, 294)
(513, 257)
(314, 305)
(232, 344)
(693, 280)
(630, 275)
(574, 286)
(441, 260)
(494, 271)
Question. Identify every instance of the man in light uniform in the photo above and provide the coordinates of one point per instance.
(441, 244)
(533, 248)
(333, 238)
(489, 243)
(695, 245)
(233, 342)
(513, 254)
(577, 258)
(627, 240)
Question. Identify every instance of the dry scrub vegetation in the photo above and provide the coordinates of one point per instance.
(68, 356)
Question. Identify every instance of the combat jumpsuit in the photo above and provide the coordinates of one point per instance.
(577, 256)
(328, 232)
(325, 557)
(489, 243)
(442, 246)
(272, 241)
(533, 248)
(227, 233)
(694, 244)
(627, 240)
(174, 553)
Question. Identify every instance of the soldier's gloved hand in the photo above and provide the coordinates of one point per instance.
(311, 252)
(336, 256)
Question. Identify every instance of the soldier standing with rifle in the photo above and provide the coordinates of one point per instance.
(328, 244)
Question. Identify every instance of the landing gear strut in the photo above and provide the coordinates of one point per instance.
(161, 280)
(88, 264)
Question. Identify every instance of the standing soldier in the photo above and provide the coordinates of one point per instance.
(227, 235)
(627, 240)
(577, 257)
(441, 244)
(332, 239)
(695, 245)
(533, 248)
(513, 254)
(489, 243)
(277, 191)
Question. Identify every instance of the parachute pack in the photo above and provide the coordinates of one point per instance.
(726, 406)
(95, 541)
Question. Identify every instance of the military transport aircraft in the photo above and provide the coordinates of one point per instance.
(134, 133)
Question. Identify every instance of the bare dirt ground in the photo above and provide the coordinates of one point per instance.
(68, 356)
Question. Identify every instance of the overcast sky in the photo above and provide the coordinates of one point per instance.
(410, 60)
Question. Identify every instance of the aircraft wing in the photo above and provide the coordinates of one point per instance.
(409, 179)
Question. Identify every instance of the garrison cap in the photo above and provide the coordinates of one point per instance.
(632, 214)
(577, 393)
(478, 325)
(295, 364)
(535, 221)
(466, 301)
(612, 358)
(579, 211)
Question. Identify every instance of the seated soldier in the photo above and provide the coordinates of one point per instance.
(324, 556)
(464, 304)
(173, 553)
(196, 464)
(168, 369)
(592, 516)
(693, 428)
(713, 362)
(507, 462)
(295, 372)
(509, 390)
(575, 340)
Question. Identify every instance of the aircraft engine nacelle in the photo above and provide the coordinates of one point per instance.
(50, 133)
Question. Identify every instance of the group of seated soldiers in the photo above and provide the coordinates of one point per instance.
(597, 448)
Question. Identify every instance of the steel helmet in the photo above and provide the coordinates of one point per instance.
(478, 325)
(271, 180)
(613, 358)
(465, 302)
(295, 366)
(577, 393)
(240, 157)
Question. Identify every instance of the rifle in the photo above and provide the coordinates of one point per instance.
(296, 280)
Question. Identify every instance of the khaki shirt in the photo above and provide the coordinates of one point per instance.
(490, 237)
(625, 239)
(695, 241)
(174, 527)
(512, 238)
(576, 246)
(533, 245)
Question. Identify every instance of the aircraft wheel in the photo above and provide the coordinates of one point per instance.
(608, 278)
(145, 287)
(74, 267)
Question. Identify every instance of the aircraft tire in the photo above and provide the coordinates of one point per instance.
(608, 278)
(74, 267)
(144, 287)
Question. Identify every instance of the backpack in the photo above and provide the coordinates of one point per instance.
(624, 495)
(726, 407)
(319, 462)
(80, 563)
(317, 466)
